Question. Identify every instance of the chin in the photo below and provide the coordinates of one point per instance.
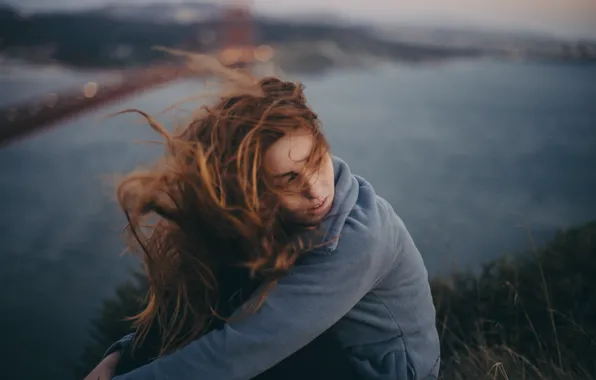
(314, 220)
(308, 221)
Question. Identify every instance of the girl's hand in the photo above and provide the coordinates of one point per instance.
(106, 369)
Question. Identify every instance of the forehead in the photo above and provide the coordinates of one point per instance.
(289, 153)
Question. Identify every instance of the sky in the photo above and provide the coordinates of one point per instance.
(564, 17)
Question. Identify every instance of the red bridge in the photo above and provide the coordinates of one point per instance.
(20, 120)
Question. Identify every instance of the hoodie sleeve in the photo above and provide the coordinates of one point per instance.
(120, 344)
(304, 303)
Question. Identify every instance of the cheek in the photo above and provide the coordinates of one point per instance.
(291, 201)
(329, 175)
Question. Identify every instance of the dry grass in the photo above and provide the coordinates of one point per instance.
(529, 317)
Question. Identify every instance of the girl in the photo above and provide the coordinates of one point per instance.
(251, 184)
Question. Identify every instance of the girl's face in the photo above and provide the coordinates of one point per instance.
(308, 194)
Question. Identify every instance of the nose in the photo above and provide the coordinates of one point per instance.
(313, 188)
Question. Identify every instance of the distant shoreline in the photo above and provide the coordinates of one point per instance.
(96, 40)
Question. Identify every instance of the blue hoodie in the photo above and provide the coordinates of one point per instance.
(370, 287)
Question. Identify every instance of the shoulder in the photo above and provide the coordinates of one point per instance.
(373, 217)
(372, 227)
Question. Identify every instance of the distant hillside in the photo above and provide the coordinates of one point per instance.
(514, 44)
(119, 36)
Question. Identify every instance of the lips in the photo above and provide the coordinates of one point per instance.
(319, 205)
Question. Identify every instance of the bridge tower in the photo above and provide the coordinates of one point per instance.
(234, 38)
(237, 35)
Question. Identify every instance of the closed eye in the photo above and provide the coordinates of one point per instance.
(289, 176)
(292, 176)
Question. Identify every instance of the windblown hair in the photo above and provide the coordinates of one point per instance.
(214, 207)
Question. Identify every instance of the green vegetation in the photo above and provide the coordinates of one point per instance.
(528, 317)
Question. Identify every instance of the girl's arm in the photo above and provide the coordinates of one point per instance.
(304, 303)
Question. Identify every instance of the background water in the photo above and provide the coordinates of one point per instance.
(465, 152)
